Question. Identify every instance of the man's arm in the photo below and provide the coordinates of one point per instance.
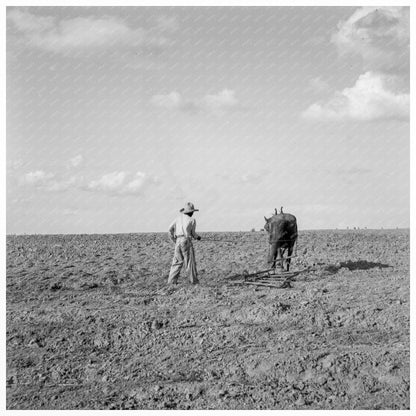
(193, 232)
(172, 230)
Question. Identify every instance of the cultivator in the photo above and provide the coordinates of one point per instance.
(275, 277)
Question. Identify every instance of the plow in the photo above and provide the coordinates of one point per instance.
(283, 234)
(274, 277)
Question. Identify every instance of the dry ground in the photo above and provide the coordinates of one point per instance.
(91, 324)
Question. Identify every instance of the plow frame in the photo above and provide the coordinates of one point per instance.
(271, 276)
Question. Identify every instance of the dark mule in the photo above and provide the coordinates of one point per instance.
(283, 232)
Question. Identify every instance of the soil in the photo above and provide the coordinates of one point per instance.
(92, 324)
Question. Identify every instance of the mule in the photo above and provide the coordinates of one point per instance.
(283, 233)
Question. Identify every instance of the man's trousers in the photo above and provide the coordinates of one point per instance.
(184, 256)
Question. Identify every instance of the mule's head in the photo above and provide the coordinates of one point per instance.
(268, 220)
(267, 224)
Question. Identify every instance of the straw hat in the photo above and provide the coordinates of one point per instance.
(189, 207)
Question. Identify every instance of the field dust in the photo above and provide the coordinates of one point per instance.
(91, 324)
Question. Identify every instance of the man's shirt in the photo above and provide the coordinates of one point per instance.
(183, 225)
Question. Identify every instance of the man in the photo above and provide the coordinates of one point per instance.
(181, 232)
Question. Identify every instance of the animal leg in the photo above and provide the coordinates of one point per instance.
(279, 261)
(272, 255)
(289, 254)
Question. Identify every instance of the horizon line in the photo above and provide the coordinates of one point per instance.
(202, 232)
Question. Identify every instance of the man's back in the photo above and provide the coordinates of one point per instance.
(183, 225)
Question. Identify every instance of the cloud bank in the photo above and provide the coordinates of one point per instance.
(121, 183)
(118, 183)
(373, 97)
(47, 181)
(86, 33)
(380, 36)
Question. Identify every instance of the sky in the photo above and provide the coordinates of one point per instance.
(118, 116)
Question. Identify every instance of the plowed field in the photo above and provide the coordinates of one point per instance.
(91, 324)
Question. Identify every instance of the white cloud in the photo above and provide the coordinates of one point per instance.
(221, 101)
(47, 181)
(82, 33)
(374, 96)
(63, 185)
(380, 35)
(136, 184)
(76, 160)
(109, 182)
(224, 101)
(114, 183)
(121, 183)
